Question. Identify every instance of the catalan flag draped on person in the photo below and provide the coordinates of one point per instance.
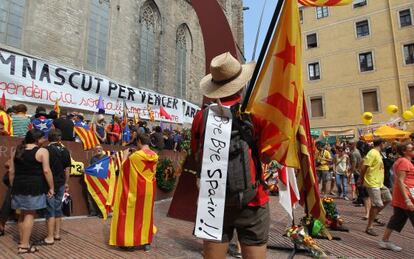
(7, 121)
(132, 219)
(100, 182)
(86, 135)
(278, 98)
(324, 2)
(4, 117)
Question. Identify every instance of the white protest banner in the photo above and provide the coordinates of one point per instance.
(33, 80)
(212, 196)
(189, 111)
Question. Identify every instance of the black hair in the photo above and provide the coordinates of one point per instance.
(378, 142)
(32, 137)
(158, 129)
(55, 135)
(10, 110)
(53, 115)
(144, 139)
(40, 109)
(402, 147)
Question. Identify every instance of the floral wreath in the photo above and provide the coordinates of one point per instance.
(165, 175)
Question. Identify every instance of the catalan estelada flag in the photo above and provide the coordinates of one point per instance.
(132, 218)
(307, 179)
(101, 188)
(324, 2)
(86, 135)
(8, 123)
(278, 94)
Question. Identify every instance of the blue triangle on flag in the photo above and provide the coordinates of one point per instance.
(99, 169)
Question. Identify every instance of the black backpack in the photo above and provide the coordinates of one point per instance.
(240, 187)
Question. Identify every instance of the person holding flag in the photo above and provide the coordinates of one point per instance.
(93, 209)
(132, 219)
(249, 215)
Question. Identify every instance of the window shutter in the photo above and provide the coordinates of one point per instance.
(316, 107)
(370, 100)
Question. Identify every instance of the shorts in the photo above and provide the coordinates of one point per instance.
(399, 218)
(379, 196)
(28, 202)
(54, 204)
(251, 224)
(323, 175)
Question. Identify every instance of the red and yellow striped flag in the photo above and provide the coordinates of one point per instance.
(87, 136)
(307, 179)
(278, 94)
(102, 189)
(132, 219)
(8, 122)
(324, 2)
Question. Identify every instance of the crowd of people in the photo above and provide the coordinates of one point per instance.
(106, 132)
(378, 172)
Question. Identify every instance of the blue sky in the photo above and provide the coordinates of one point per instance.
(251, 23)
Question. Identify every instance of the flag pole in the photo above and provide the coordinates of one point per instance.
(258, 31)
(263, 51)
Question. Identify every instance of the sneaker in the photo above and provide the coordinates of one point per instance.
(147, 248)
(371, 232)
(389, 245)
(346, 198)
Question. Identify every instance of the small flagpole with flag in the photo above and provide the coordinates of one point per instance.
(3, 101)
(56, 108)
(288, 189)
(100, 105)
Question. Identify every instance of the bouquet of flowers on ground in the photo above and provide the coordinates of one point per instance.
(299, 236)
(315, 228)
(333, 220)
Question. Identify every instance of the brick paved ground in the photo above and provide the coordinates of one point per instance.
(87, 238)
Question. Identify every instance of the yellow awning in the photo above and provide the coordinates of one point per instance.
(387, 132)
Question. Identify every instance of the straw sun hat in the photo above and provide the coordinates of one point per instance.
(227, 76)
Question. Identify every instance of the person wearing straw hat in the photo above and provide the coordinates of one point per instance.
(250, 218)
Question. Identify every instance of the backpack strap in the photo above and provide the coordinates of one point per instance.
(246, 129)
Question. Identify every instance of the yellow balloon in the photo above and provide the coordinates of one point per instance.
(392, 109)
(412, 109)
(367, 116)
(408, 115)
(367, 122)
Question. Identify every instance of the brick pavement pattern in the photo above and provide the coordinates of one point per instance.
(88, 237)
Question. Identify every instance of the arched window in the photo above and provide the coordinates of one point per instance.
(148, 45)
(98, 34)
(181, 62)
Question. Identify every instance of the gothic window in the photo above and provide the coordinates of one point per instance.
(11, 22)
(181, 62)
(148, 45)
(98, 33)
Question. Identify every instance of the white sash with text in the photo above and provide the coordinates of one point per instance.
(212, 196)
